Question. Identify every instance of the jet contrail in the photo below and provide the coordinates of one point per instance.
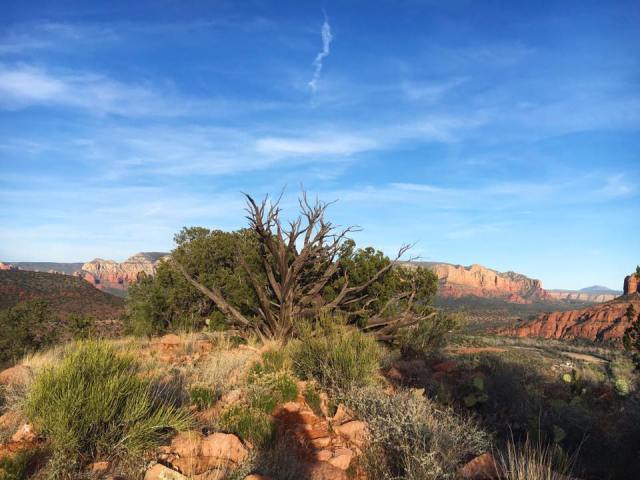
(317, 63)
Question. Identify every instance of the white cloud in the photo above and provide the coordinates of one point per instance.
(328, 145)
(326, 45)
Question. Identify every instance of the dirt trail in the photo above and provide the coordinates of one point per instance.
(585, 357)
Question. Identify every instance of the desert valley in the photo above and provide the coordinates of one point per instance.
(376, 240)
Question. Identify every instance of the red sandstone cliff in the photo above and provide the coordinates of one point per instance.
(479, 281)
(109, 274)
(600, 323)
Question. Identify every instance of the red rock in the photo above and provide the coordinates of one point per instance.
(223, 448)
(16, 375)
(100, 467)
(25, 433)
(354, 432)
(160, 472)
(603, 322)
(631, 284)
(170, 340)
(342, 415)
(325, 471)
(255, 476)
(447, 366)
(476, 280)
(483, 467)
(191, 453)
(341, 458)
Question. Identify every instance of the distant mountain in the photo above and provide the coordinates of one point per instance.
(116, 277)
(50, 267)
(107, 275)
(600, 289)
(65, 294)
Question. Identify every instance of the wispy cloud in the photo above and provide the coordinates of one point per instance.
(326, 45)
(23, 86)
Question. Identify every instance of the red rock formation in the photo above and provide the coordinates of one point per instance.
(631, 284)
(4, 266)
(601, 323)
(479, 281)
(109, 274)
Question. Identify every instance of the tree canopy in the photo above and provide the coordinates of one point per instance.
(267, 277)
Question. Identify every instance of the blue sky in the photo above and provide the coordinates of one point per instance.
(500, 133)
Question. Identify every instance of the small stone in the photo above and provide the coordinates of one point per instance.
(100, 467)
(24, 433)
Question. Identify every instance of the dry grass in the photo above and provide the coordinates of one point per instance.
(534, 461)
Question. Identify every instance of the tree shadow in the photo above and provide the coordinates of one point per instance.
(291, 454)
(512, 399)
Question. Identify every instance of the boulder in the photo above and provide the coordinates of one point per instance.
(483, 467)
(16, 375)
(160, 472)
(353, 432)
(192, 453)
(224, 448)
(341, 458)
(325, 471)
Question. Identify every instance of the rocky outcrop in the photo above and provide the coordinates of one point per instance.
(4, 266)
(606, 322)
(631, 284)
(107, 274)
(479, 281)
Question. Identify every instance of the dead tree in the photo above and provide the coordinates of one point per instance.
(298, 261)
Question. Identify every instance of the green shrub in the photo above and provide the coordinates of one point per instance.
(21, 465)
(312, 397)
(202, 397)
(336, 356)
(80, 326)
(25, 328)
(412, 438)
(94, 404)
(272, 361)
(268, 391)
(250, 424)
(622, 387)
(430, 335)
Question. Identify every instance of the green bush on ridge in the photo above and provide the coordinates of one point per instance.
(95, 405)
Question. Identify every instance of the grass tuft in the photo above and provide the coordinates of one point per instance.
(95, 405)
(336, 356)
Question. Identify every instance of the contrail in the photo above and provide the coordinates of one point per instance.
(317, 63)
